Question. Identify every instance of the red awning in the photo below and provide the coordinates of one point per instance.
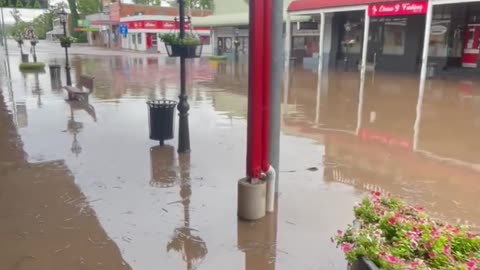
(299, 5)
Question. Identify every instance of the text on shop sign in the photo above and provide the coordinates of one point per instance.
(398, 9)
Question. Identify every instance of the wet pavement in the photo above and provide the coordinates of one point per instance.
(82, 186)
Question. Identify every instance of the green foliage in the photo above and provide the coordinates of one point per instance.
(67, 39)
(36, 4)
(19, 4)
(73, 17)
(396, 236)
(87, 7)
(174, 39)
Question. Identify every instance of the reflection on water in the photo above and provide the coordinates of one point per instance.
(258, 240)
(162, 165)
(433, 164)
(185, 239)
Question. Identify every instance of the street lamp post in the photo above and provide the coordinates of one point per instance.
(183, 106)
(63, 20)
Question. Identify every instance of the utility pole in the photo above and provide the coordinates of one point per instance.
(277, 52)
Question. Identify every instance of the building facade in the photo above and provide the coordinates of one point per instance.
(144, 32)
(396, 34)
(109, 20)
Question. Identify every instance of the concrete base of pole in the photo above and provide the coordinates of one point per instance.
(252, 199)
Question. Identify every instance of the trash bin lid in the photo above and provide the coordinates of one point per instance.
(161, 103)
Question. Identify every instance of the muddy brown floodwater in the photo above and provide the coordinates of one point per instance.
(82, 186)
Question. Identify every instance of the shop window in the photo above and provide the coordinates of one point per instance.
(139, 38)
(299, 43)
(394, 37)
(134, 38)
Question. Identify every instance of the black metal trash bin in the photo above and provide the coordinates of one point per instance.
(161, 119)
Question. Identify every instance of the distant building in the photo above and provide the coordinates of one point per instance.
(103, 28)
(229, 23)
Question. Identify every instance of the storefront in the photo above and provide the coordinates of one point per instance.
(143, 33)
(396, 34)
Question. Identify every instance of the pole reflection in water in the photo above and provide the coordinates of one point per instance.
(162, 166)
(361, 94)
(258, 240)
(37, 90)
(184, 240)
(74, 127)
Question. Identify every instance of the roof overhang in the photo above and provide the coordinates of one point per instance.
(237, 19)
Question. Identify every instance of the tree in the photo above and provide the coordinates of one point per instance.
(194, 4)
(73, 18)
(37, 4)
(19, 4)
(87, 7)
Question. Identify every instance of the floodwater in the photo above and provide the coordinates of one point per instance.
(82, 186)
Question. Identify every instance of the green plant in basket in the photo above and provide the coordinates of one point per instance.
(67, 39)
(174, 39)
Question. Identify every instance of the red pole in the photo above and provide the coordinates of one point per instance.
(267, 56)
(255, 138)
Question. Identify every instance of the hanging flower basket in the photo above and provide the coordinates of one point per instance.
(66, 41)
(189, 46)
(65, 44)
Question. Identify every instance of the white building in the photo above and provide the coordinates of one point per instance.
(143, 33)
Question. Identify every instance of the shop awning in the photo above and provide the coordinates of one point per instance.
(301, 5)
(236, 19)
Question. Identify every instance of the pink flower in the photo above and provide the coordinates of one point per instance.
(376, 194)
(428, 245)
(414, 244)
(392, 221)
(339, 233)
(431, 254)
(346, 247)
(393, 260)
(447, 250)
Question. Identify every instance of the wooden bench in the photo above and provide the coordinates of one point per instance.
(82, 90)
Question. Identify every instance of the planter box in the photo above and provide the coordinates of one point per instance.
(363, 264)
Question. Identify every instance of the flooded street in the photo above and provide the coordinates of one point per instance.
(82, 186)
